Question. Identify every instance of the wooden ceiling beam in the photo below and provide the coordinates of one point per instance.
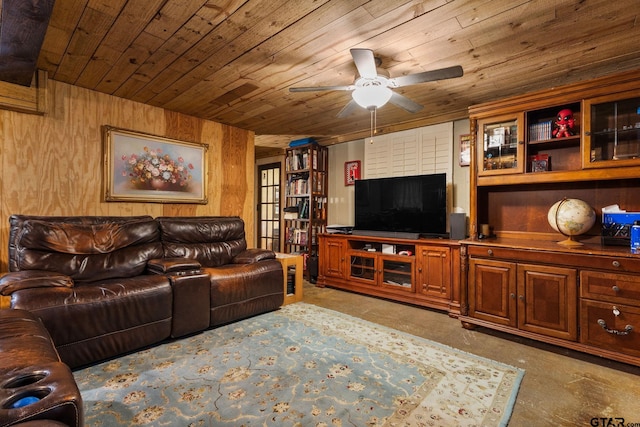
(23, 25)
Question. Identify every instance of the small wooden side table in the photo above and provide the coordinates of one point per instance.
(294, 262)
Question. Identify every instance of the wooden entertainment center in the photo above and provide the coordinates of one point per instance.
(424, 272)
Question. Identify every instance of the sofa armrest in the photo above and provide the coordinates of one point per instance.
(249, 256)
(178, 266)
(27, 279)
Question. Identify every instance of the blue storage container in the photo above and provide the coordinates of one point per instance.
(303, 141)
(616, 228)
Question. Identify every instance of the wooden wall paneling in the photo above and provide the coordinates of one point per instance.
(183, 128)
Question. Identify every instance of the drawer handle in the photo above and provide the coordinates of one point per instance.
(615, 289)
(603, 324)
(616, 264)
(490, 252)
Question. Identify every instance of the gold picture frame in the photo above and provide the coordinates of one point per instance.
(141, 167)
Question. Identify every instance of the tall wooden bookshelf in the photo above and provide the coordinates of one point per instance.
(305, 211)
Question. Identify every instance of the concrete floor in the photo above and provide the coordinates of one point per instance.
(560, 387)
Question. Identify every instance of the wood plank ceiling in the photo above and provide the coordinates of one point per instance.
(232, 61)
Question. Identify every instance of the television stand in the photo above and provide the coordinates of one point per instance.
(420, 271)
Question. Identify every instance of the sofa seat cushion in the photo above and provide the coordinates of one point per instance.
(100, 320)
(242, 290)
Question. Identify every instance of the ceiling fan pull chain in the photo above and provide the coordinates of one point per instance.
(372, 113)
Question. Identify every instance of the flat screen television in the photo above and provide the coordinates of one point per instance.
(404, 207)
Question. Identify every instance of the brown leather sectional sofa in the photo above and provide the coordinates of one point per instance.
(104, 286)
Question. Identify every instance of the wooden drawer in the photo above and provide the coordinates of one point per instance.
(621, 264)
(612, 287)
(596, 316)
(492, 252)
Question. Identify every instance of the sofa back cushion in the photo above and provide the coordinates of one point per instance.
(211, 240)
(84, 248)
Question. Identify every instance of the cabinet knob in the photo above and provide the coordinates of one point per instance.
(512, 295)
(490, 252)
(615, 289)
(616, 264)
(420, 269)
(521, 297)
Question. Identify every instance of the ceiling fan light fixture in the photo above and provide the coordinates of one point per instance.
(371, 96)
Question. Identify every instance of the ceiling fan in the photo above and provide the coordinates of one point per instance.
(372, 90)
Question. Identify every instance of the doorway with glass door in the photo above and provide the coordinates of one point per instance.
(269, 206)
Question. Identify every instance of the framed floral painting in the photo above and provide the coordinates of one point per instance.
(146, 168)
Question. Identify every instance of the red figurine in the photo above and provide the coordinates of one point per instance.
(563, 126)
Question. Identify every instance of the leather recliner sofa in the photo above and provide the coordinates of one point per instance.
(243, 282)
(104, 286)
(36, 388)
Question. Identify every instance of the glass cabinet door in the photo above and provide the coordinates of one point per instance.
(501, 145)
(613, 132)
(398, 274)
(362, 267)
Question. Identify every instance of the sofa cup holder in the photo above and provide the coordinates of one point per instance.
(26, 397)
(24, 380)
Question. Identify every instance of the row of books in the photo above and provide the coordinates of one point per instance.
(299, 159)
(540, 131)
(301, 209)
(297, 185)
(300, 236)
(297, 236)
(297, 211)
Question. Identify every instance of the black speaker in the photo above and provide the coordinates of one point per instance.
(312, 268)
(458, 226)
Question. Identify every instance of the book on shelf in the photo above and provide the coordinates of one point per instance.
(303, 209)
(291, 215)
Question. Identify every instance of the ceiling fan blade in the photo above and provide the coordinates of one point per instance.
(348, 109)
(427, 76)
(365, 62)
(320, 88)
(404, 102)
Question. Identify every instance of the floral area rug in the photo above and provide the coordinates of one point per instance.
(299, 366)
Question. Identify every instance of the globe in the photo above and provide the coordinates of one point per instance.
(571, 217)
